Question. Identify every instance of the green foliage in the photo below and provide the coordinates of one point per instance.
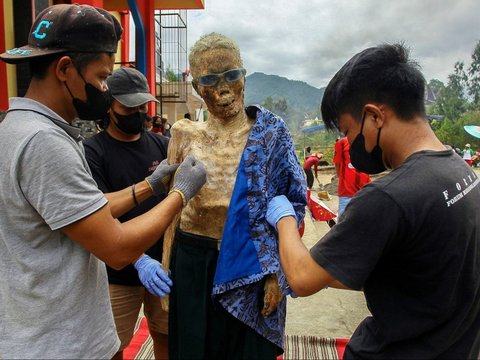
(279, 107)
(436, 85)
(320, 141)
(474, 77)
(462, 93)
(459, 102)
(452, 132)
(450, 104)
(290, 99)
(451, 101)
(170, 75)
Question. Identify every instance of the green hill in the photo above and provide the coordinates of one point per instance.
(303, 100)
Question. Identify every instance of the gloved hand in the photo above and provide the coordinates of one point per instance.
(160, 178)
(191, 175)
(152, 276)
(278, 208)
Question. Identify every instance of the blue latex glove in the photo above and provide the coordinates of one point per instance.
(278, 208)
(152, 276)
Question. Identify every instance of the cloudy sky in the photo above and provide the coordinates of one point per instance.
(309, 40)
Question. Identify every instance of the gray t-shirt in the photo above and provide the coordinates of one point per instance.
(54, 300)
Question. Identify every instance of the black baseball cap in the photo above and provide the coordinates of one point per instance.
(68, 28)
(129, 87)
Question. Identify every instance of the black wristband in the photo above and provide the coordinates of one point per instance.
(133, 195)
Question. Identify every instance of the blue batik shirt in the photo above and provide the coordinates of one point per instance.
(268, 167)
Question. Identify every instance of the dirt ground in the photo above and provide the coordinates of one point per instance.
(329, 313)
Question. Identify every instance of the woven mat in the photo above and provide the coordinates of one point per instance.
(313, 347)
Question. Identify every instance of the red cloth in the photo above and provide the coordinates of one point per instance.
(341, 344)
(349, 179)
(318, 209)
(140, 337)
(311, 161)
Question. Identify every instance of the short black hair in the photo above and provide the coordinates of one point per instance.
(39, 66)
(383, 74)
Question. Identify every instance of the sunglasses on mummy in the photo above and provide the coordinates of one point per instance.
(229, 76)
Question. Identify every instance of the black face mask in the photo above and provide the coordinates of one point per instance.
(364, 161)
(132, 124)
(97, 104)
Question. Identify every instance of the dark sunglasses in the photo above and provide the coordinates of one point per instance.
(229, 76)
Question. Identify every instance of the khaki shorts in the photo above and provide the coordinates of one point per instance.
(126, 304)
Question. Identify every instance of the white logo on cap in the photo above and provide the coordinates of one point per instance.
(17, 51)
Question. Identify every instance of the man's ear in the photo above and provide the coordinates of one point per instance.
(376, 113)
(63, 66)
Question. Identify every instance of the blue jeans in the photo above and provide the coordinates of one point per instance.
(342, 204)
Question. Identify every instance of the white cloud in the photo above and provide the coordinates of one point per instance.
(310, 40)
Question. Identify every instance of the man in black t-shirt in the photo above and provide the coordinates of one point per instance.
(411, 239)
(118, 157)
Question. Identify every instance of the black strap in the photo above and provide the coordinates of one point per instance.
(73, 131)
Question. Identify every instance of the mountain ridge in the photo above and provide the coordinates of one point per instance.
(303, 100)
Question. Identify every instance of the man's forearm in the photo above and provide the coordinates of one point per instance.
(118, 244)
(141, 232)
(125, 200)
(304, 275)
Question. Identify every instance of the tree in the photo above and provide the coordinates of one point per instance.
(268, 103)
(474, 78)
(459, 102)
(451, 101)
(436, 85)
(279, 107)
(170, 75)
(462, 93)
(453, 133)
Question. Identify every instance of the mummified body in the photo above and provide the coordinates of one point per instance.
(218, 143)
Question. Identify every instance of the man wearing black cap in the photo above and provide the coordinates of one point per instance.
(56, 226)
(120, 156)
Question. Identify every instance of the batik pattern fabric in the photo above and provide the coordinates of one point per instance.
(249, 250)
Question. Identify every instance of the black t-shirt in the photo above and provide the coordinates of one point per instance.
(118, 164)
(411, 241)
